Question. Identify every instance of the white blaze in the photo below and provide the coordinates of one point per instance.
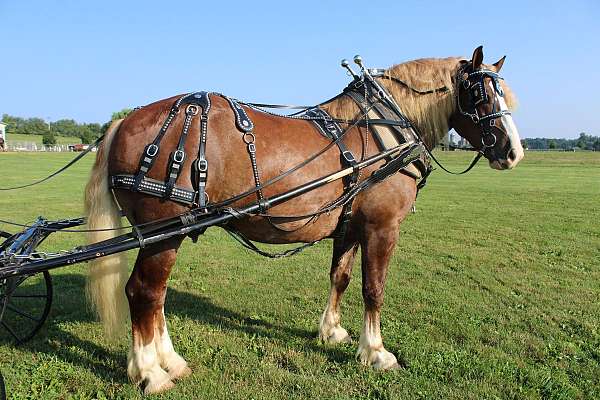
(511, 130)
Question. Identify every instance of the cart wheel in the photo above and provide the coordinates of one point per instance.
(24, 306)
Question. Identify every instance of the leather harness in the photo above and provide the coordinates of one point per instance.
(389, 129)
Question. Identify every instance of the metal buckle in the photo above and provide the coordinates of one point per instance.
(348, 156)
(202, 165)
(178, 156)
(152, 150)
(191, 109)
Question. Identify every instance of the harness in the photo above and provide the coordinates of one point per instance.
(381, 116)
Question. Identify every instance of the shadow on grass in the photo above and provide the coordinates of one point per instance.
(70, 306)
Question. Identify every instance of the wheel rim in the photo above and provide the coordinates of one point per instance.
(24, 306)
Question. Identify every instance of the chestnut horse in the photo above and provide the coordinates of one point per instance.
(281, 143)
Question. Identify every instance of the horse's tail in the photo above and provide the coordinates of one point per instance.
(107, 275)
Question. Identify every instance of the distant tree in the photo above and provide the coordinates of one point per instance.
(581, 142)
(35, 126)
(89, 133)
(524, 143)
(66, 127)
(87, 136)
(116, 115)
(48, 138)
(120, 114)
(552, 144)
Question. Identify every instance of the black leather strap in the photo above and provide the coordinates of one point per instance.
(201, 163)
(178, 156)
(243, 122)
(332, 130)
(151, 150)
(153, 187)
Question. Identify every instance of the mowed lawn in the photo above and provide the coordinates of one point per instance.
(493, 292)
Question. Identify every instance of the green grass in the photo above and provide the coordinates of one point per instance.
(493, 292)
(37, 139)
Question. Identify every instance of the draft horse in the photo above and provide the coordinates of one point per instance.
(434, 94)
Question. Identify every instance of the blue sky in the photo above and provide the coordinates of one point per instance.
(84, 60)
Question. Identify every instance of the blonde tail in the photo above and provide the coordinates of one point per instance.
(107, 275)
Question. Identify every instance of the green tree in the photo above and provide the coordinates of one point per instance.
(35, 126)
(49, 138)
(116, 115)
(552, 144)
(66, 127)
(120, 114)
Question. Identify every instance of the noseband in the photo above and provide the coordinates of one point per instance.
(474, 84)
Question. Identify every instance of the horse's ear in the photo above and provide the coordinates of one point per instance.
(498, 64)
(477, 58)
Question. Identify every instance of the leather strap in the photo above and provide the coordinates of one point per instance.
(154, 188)
(201, 163)
(178, 156)
(332, 130)
(151, 150)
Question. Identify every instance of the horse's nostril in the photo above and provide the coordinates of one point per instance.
(512, 155)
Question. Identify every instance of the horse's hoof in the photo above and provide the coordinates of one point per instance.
(336, 335)
(339, 336)
(154, 388)
(180, 372)
(379, 359)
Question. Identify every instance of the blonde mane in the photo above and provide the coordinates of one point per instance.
(429, 112)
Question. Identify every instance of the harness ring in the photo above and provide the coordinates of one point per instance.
(485, 145)
(249, 137)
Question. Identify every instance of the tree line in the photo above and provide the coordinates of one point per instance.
(87, 132)
(583, 142)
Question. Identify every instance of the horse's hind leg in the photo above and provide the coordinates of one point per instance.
(152, 352)
(330, 330)
(377, 246)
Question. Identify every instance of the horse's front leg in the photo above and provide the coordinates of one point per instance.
(152, 352)
(344, 250)
(377, 246)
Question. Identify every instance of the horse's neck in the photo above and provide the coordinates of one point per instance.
(430, 113)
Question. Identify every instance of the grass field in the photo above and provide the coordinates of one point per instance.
(493, 292)
(37, 139)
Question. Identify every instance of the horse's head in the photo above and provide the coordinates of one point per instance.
(482, 113)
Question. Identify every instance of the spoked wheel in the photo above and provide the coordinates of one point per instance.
(24, 306)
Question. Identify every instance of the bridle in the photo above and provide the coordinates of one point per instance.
(474, 84)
